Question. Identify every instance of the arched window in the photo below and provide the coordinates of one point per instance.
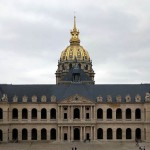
(109, 134)
(99, 133)
(34, 113)
(118, 113)
(1, 113)
(128, 113)
(99, 113)
(15, 113)
(43, 113)
(128, 133)
(76, 114)
(15, 135)
(34, 134)
(24, 134)
(109, 113)
(53, 134)
(137, 113)
(119, 133)
(1, 135)
(53, 113)
(24, 113)
(43, 134)
(138, 134)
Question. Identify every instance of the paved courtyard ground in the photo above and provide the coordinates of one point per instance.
(79, 145)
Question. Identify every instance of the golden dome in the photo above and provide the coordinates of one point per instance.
(74, 51)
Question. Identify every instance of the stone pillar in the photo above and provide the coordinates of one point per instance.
(94, 133)
(61, 133)
(58, 134)
(71, 112)
(123, 115)
(48, 114)
(19, 135)
(84, 133)
(48, 134)
(133, 115)
(29, 115)
(91, 118)
(133, 135)
(38, 115)
(114, 134)
(38, 134)
(123, 134)
(19, 115)
(71, 133)
(104, 115)
(68, 113)
(29, 134)
(61, 113)
(68, 133)
(114, 115)
(91, 136)
(81, 113)
(84, 113)
(80, 133)
(94, 113)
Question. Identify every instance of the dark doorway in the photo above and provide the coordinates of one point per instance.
(15, 134)
(53, 134)
(138, 134)
(65, 136)
(24, 134)
(87, 136)
(100, 133)
(43, 134)
(109, 134)
(128, 133)
(76, 134)
(1, 135)
(34, 134)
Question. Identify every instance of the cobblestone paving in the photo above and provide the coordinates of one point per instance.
(69, 146)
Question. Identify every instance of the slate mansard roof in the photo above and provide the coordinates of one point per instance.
(63, 91)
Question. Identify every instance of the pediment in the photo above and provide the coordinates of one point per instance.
(76, 99)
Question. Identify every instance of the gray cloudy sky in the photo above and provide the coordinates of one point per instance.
(116, 33)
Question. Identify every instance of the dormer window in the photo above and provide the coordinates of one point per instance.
(24, 98)
(34, 98)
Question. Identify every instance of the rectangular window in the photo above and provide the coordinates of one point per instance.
(65, 115)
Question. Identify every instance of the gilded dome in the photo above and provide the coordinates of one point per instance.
(74, 51)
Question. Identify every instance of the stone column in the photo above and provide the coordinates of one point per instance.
(84, 113)
(80, 133)
(114, 134)
(38, 134)
(123, 134)
(133, 115)
(104, 115)
(91, 113)
(84, 132)
(48, 114)
(123, 115)
(94, 114)
(71, 112)
(133, 135)
(38, 115)
(29, 115)
(48, 134)
(114, 115)
(68, 133)
(68, 113)
(58, 134)
(71, 133)
(29, 134)
(91, 136)
(94, 133)
(61, 133)
(61, 113)
(81, 118)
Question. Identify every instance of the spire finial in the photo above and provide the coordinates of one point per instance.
(74, 33)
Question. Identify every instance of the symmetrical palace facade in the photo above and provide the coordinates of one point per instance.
(75, 109)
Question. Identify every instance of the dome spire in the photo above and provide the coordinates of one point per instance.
(74, 35)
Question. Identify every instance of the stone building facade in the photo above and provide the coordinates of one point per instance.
(75, 109)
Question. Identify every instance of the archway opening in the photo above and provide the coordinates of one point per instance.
(43, 134)
(109, 134)
(128, 113)
(1, 113)
(118, 113)
(24, 113)
(15, 113)
(137, 113)
(53, 134)
(34, 134)
(1, 135)
(24, 134)
(53, 113)
(100, 133)
(34, 113)
(43, 113)
(128, 133)
(119, 134)
(76, 134)
(15, 135)
(99, 113)
(109, 113)
(138, 134)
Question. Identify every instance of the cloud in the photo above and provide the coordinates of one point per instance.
(34, 32)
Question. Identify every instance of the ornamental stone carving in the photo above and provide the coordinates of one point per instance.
(138, 98)
(34, 98)
(118, 98)
(4, 98)
(128, 98)
(147, 97)
(24, 98)
(43, 98)
(100, 99)
(109, 98)
(53, 98)
(15, 98)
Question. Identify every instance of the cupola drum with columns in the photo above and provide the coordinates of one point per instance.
(75, 65)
